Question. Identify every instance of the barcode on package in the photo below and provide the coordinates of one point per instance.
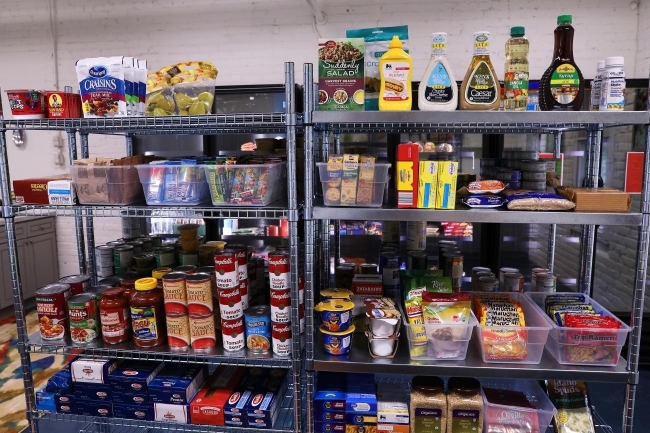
(60, 200)
(405, 198)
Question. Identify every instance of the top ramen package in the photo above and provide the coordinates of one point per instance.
(101, 81)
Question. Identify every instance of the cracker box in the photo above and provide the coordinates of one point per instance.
(427, 184)
(406, 175)
(134, 376)
(141, 413)
(332, 188)
(88, 370)
(176, 413)
(177, 384)
(207, 407)
(61, 193)
(103, 409)
(35, 190)
(446, 191)
(349, 179)
(341, 74)
(366, 185)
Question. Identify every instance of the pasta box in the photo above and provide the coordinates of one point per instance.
(131, 398)
(134, 376)
(94, 408)
(92, 391)
(176, 413)
(341, 71)
(35, 190)
(87, 370)
(68, 408)
(265, 404)
(131, 412)
(235, 406)
(368, 285)
(207, 407)
(329, 400)
(177, 384)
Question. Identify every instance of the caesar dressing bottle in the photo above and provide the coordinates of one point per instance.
(395, 70)
(481, 89)
(438, 90)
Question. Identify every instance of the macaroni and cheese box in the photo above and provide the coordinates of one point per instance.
(138, 412)
(427, 184)
(322, 415)
(207, 407)
(94, 408)
(176, 413)
(406, 175)
(356, 419)
(134, 376)
(329, 427)
(177, 384)
(330, 401)
(88, 370)
(446, 191)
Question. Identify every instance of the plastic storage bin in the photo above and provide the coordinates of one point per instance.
(584, 346)
(499, 415)
(444, 342)
(362, 186)
(174, 185)
(515, 345)
(246, 185)
(107, 184)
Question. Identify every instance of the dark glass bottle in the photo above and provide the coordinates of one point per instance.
(562, 87)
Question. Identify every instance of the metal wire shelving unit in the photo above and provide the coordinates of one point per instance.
(320, 127)
(290, 418)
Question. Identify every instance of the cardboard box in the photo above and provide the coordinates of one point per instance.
(131, 398)
(446, 191)
(393, 428)
(329, 427)
(596, 199)
(134, 376)
(366, 185)
(141, 413)
(427, 184)
(361, 403)
(322, 415)
(406, 175)
(207, 407)
(368, 285)
(330, 400)
(177, 384)
(92, 391)
(35, 190)
(94, 408)
(341, 80)
(357, 419)
(332, 188)
(68, 408)
(392, 405)
(88, 370)
(61, 193)
(349, 179)
(176, 413)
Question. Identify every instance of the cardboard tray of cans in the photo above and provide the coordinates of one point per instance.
(583, 346)
(246, 184)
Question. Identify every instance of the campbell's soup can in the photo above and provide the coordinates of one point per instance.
(178, 332)
(230, 306)
(51, 307)
(174, 293)
(242, 271)
(258, 328)
(199, 295)
(281, 306)
(232, 332)
(279, 268)
(226, 270)
(281, 335)
(78, 283)
(202, 333)
(243, 292)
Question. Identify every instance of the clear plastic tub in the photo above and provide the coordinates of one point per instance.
(500, 415)
(107, 184)
(174, 185)
(584, 346)
(363, 186)
(515, 344)
(246, 185)
(444, 342)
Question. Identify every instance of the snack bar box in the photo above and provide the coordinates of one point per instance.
(134, 376)
(207, 407)
(177, 384)
(96, 371)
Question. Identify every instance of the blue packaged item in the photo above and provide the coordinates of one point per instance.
(331, 401)
(177, 384)
(357, 419)
(329, 427)
(134, 376)
(63, 398)
(60, 382)
(94, 408)
(102, 87)
(322, 415)
(45, 400)
(532, 200)
(92, 391)
(260, 423)
(141, 413)
(236, 403)
(131, 398)
(264, 405)
(68, 408)
(361, 403)
(483, 201)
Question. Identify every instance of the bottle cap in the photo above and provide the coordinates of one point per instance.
(564, 19)
(517, 31)
(614, 61)
(144, 284)
(601, 65)
(395, 43)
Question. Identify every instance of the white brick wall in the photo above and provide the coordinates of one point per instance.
(250, 40)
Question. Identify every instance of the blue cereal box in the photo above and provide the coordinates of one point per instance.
(87, 370)
(141, 413)
(134, 376)
(177, 384)
(94, 408)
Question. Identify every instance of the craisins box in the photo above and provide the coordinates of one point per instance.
(406, 175)
(34, 191)
(134, 376)
(207, 408)
(177, 384)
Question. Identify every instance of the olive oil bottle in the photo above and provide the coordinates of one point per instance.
(480, 89)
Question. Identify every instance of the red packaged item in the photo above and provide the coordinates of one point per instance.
(406, 175)
(208, 405)
(34, 191)
(27, 104)
(591, 339)
(63, 105)
(486, 187)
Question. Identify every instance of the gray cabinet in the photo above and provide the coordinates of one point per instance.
(37, 254)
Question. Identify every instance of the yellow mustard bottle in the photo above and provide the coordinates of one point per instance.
(395, 70)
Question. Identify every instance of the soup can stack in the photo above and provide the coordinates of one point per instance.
(280, 285)
(242, 272)
(200, 307)
(226, 266)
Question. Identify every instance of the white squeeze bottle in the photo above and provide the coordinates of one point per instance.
(595, 86)
(438, 90)
(612, 85)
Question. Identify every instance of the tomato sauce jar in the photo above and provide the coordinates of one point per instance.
(115, 316)
(148, 314)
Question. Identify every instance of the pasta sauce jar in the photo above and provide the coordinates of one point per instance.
(115, 316)
(148, 314)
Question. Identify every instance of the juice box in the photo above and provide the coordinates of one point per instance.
(341, 74)
(427, 184)
(406, 175)
(446, 192)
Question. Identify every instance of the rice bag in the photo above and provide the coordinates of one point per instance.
(535, 200)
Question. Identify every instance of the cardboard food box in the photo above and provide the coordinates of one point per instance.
(341, 79)
(108, 181)
(134, 376)
(96, 371)
(406, 175)
(349, 179)
(35, 190)
(332, 188)
(141, 413)
(366, 179)
(207, 408)
(177, 384)
(427, 184)
(596, 199)
(446, 191)
(61, 193)
(176, 413)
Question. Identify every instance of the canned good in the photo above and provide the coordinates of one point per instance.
(480, 275)
(281, 334)
(280, 306)
(279, 271)
(144, 260)
(98, 290)
(175, 294)
(533, 277)
(488, 284)
(104, 261)
(416, 235)
(226, 270)
(113, 281)
(230, 306)
(84, 320)
(242, 272)
(513, 282)
(232, 332)
(178, 332)
(137, 247)
(147, 245)
(165, 257)
(199, 295)
(444, 244)
(123, 256)
(416, 260)
(475, 271)
(187, 269)
(503, 272)
(156, 241)
(534, 165)
(258, 328)
(51, 307)
(343, 276)
(78, 283)
(546, 282)
(389, 266)
(533, 176)
(202, 333)
(368, 269)
(189, 258)
(534, 185)
(448, 262)
(115, 243)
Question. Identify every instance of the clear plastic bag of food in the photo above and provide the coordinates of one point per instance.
(194, 98)
(160, 103)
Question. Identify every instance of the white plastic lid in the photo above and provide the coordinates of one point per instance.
(601, 65)
(614, 61)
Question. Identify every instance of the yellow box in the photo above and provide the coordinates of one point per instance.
(427, 184)
(446, 191)
(349, 179)
(366, 179)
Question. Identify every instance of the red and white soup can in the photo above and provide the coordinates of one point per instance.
(280, 306)
(232, 332)
(226, 270)
(281, 336)
(279, 271)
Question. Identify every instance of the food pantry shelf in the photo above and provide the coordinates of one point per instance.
(208, 124)
(359, 359)
(274, 211)
(474, 121)
(465, 214)
(128, 350)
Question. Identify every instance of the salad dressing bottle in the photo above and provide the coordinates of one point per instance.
(481, 89)
(395, 71)
(438, 90)
(516, 71)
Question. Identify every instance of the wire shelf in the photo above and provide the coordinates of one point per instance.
(601, 425)
(94, 428)
(128, 350)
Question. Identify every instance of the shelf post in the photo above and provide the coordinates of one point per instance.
(552, 231)
(90, 229)
(78, 220)
(16, 284)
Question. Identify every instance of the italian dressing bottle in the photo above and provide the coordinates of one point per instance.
(481, 89)
(438, 90)
(395, 70)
